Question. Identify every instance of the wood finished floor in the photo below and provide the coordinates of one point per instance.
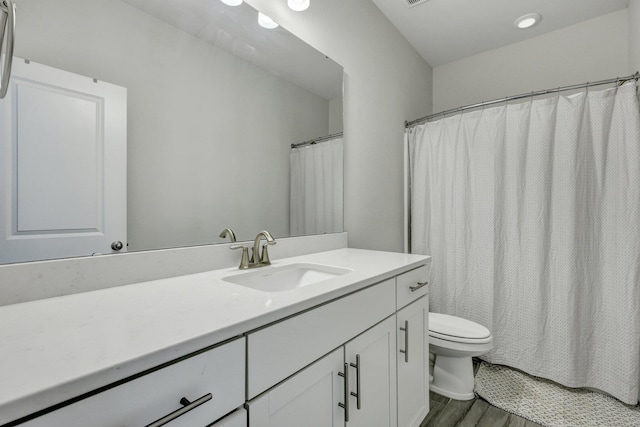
(445, 412)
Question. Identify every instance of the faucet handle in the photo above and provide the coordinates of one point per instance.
(264, 258)
(244, 261)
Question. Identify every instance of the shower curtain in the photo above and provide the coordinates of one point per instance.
(531, 213)
(316, 188)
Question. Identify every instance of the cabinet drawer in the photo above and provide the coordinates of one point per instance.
(280, 350)
(219, 372)
(409, 285)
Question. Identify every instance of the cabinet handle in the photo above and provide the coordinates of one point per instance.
(418, 286)
(357, 393)
(345, 405)
(406, 341)
(188, 406)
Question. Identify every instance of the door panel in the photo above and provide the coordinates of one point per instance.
(309, 398)
(413, 366)
(376, 349)
(63, 151)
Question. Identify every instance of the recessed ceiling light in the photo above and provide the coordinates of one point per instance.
(527, 21)
(232, 2)
(299, 5)
(266, 22)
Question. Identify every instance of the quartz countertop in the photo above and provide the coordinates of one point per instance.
(55, 349)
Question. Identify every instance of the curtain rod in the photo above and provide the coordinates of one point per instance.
(617, 80)
(316, 140)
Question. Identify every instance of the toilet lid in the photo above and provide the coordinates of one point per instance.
(457, 327)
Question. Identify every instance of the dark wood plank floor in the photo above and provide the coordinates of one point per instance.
(445, 412)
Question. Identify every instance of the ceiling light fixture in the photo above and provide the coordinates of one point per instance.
(232, 2)
(266, 22)
(527, 21)
(299, 5)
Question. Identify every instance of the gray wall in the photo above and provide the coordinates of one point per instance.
(188, 142)
(386, 83)
(592, 50)
(634, 36)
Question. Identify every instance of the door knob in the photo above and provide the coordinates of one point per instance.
(116, 246)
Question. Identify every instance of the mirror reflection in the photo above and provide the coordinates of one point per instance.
(213, 103)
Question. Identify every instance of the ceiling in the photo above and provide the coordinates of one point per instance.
(236, 30)
(444, 31)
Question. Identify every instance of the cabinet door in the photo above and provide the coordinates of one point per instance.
(310, 398)
(237, 419)
(372, 376)
(413, 363)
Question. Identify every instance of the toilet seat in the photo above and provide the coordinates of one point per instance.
(456, 329)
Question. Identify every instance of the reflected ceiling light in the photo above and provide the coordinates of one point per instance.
(266, 22)
(299, 5)
(232, 2)
(527, 21)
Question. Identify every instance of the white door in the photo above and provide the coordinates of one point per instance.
(413, 363)
(374, 355)
(310, 398)
(63, 142)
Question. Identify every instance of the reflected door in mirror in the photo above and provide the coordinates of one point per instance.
(63, 146)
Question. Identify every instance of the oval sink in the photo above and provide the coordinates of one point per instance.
(286, 277)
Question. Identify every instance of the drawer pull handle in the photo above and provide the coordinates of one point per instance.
(418, 286)
(188, 406)
(357, 393)
(345, 405)
(406, 341)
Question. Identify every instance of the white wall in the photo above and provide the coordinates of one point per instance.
(634, 36)
(196, 161)
(386, 82)
(589, 51)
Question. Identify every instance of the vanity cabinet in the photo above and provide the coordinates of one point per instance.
(386, 365)
(316, 395)
(212, 382)
(359, 359)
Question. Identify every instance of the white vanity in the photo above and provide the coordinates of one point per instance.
(202, 349)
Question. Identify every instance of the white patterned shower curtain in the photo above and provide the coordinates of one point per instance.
(531, 213)
(317, 188)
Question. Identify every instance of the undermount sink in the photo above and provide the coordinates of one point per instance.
(286, 277)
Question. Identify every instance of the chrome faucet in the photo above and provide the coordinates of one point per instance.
(258, 259)
(228, 232)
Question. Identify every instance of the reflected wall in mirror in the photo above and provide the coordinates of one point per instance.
(214, 103)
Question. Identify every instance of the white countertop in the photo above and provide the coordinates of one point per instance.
(54, 349)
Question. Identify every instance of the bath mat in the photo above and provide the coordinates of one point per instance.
(550, 404)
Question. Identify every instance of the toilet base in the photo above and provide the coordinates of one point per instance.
(450, 394)
(453, 377)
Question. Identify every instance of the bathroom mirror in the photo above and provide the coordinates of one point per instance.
(214, 102)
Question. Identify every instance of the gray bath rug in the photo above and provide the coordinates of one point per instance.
(550, 404)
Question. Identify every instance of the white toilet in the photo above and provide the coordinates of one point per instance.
(454, 341)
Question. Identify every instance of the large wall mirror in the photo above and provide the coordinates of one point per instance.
(214, 102)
